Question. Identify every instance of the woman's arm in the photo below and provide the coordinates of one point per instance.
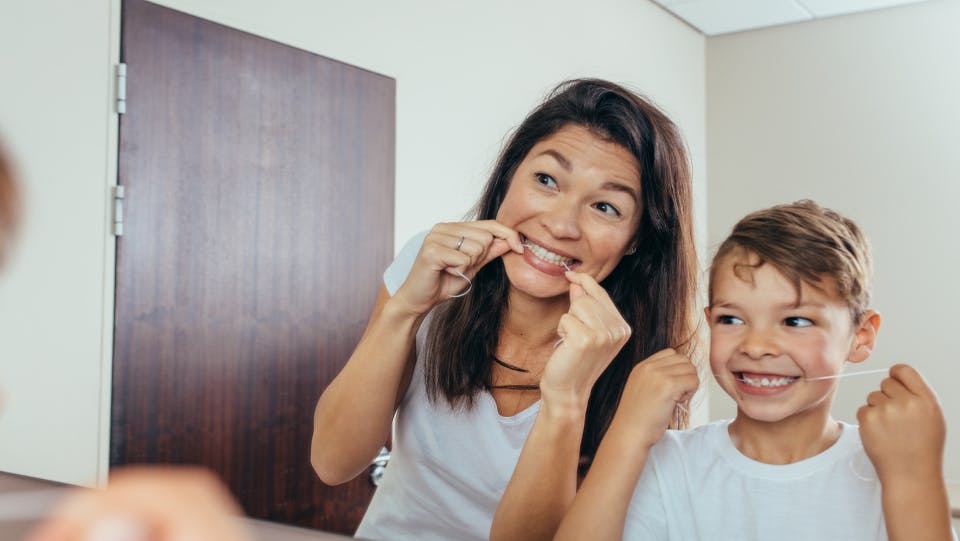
(353, 415)
(544, 482)
(903, 432)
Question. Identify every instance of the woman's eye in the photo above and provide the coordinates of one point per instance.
(546, 180)
(607, 208)
(729, 320)
(797, 322)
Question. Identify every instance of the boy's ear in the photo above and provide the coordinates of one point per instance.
(865, 337)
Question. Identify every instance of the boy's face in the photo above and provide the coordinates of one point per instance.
(763, 344)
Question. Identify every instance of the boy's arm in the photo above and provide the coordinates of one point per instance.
(903, 432)
(600, 507)
(646, 408)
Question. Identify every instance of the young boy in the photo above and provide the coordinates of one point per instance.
(788, 308)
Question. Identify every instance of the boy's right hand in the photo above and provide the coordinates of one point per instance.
(433, 277)
(653, 391)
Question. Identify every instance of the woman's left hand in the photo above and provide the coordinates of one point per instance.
(593, 332)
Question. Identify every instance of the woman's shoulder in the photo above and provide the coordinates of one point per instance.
(398, 270)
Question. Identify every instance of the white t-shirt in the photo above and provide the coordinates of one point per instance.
(448, 469)
(697, 485)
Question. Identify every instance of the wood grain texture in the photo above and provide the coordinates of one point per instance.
(259, 218)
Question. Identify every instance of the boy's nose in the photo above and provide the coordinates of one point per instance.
(757, 344)
(562, 220)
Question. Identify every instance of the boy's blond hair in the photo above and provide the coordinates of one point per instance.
(806, 243)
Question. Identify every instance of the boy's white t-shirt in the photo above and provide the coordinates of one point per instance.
(697, 485)
(448, 468)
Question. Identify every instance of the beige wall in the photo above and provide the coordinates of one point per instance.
(861, 113)
(466, 74)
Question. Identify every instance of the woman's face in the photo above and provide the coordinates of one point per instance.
(575, 200)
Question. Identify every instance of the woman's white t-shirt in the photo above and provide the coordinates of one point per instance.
(448, 468)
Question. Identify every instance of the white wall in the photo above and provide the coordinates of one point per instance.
(56, 297)
(466, 74)
(861, 113)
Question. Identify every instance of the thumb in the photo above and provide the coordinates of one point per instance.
(498, 248)
(576, 291)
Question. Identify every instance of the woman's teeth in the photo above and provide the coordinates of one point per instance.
(549, 256)
(767, 381)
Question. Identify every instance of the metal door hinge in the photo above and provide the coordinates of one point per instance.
(118, 211)
(378, 466)
(121, 89)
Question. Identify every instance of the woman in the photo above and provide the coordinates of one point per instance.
(580, 265)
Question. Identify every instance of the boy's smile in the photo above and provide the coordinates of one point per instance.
(765, 341)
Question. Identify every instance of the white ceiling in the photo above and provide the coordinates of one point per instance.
(713, 17)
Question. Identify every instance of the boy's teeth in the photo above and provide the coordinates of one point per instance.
(767, 381)
(547, 255)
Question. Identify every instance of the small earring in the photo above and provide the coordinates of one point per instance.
(631, 251)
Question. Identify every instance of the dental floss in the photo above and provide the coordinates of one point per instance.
(469, 285)
(845, 374)
(835, 376)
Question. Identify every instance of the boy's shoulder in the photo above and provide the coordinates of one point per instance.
(707, 447)
(709, 432)
(705, 440)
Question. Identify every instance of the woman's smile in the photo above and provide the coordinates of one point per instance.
(546, 260)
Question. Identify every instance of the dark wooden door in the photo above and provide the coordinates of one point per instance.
(259, 217)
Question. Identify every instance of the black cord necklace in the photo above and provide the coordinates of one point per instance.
(509, 366)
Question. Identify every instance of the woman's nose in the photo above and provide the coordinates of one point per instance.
(562, 220)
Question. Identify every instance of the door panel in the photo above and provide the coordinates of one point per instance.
(259, 217)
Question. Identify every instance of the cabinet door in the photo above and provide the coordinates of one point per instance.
(258, 220)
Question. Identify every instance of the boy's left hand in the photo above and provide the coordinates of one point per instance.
(903, 428)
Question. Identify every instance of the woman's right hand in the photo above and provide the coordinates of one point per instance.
(434, 276)
(654, 389)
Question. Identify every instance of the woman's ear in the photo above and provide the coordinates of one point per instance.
(865, 337)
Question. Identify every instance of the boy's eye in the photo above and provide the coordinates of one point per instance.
(729, 320)
(797, 322)
(546, 180)
(607, 208)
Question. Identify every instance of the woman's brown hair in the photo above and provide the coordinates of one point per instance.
(654, 287)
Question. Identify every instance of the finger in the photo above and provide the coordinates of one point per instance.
(494, 239)
(576, 292)
(592, 288)
(484, 233)
(661, 354)
(500, 231)
(598, 317)
(573, 331)
(876, 398)
(911, 379)
(445, 259)
(599, 302)
(893, 388)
